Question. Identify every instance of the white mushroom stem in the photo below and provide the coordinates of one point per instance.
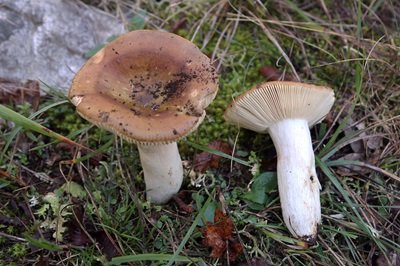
(163, 171)
(297, 180)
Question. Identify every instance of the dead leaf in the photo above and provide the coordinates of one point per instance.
(178, 198)
(393, 259)
(271, 73)
(374, 142)
(356, 146)
(205, 160)
(43, 261)
(6, 220)
(350, 169)
(15, 92)
(82, 234)
(24, 206)
(180, 24)
(106, 245)
(235, 249)
(219, 236)
(76, 233)
(78, 237)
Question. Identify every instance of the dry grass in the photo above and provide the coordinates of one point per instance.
(352, 46)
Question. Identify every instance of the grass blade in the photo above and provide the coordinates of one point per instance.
(357, 219)
(358, 85)
(362, 164)
(43, 243)
(29, 124)
(15, 130)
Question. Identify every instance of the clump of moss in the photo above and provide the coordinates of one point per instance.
(18, 250)
(239, 72)
(64, 120)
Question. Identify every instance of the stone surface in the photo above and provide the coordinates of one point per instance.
(47, 39)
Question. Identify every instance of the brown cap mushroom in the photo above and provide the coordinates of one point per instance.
(286, 110)
(149, 87)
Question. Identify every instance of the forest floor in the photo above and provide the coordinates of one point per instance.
(62, 204)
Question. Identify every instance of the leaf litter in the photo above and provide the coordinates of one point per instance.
(16, 92)
(219, 237)
(205, 160)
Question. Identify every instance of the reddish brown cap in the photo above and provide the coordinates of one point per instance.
(146, 86)
(268, 103)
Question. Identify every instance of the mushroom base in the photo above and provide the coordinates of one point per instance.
(163, 171)
(297, 180)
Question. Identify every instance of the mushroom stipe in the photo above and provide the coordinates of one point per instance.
(286, 111)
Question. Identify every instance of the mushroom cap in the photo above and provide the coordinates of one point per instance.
(266, 104)
(146, 86)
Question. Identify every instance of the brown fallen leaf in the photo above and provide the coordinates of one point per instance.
(219, 236)
(235, 249)
(42, 261)
(270, 73)
(78, 237)
(205, 160)
(356, 146)
(16, 92)
(83, 234)
(76, 230)
(391, 259)
(180, 24)
(14, 221)
(182, 205)
(352, 170)
(106, 245)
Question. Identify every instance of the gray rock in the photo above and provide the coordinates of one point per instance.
(47, 39)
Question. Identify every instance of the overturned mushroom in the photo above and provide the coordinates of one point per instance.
(286, 110)
(150, 88)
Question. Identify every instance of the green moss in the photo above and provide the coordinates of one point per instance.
(241, 64)
(18, 250)
(64, 119)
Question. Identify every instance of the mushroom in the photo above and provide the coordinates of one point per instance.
(286, 110)
(151, 89)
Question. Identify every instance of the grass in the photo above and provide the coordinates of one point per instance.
(101, 215)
